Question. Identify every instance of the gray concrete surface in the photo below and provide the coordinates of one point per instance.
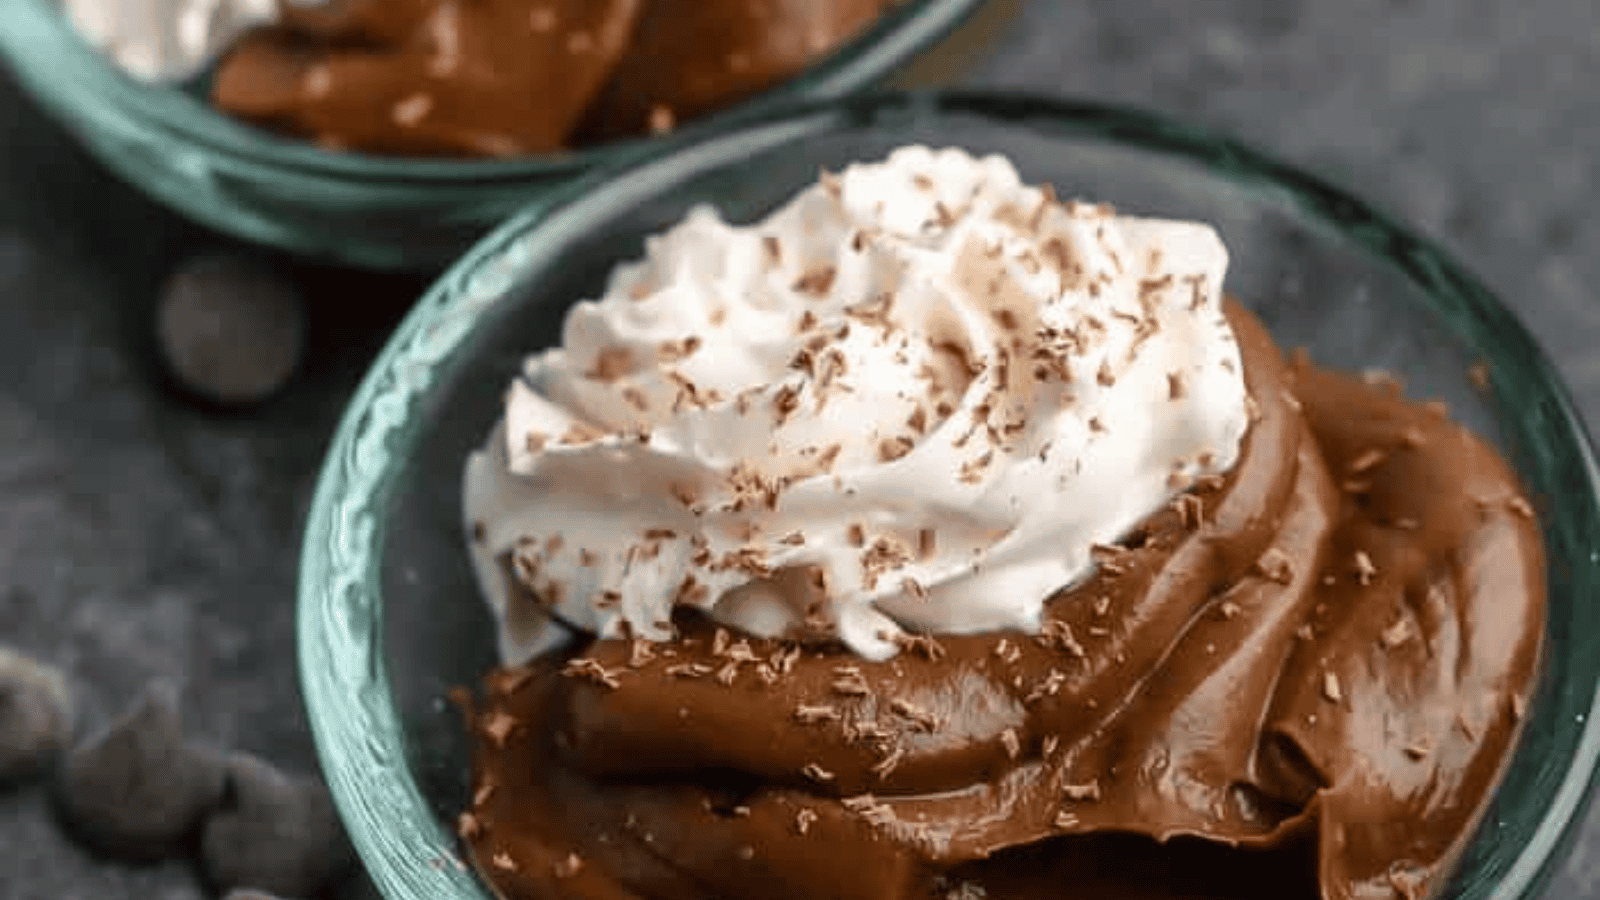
(142, 538)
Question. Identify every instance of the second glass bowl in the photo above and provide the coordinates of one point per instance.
(369, 211)
(390, 617)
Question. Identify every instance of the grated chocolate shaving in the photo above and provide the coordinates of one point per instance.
(1364, 568)
(891, 761)
(849, 682)
(885, 554)
(1367, 461)
(611, 364)
(809, 714)
(816, 281)
(870, 808)
(1057, 635)
(921, 718)
(640, 653)
(1190, 510)
(1082, 792)
(1109, 557)
(483, 793)
(684, 494)
(816, 773)
(922, 644)
(588, 668)
(499, 726)
(1274, 566)
(1104, 376)
(785, 402)
(1330, 688)
(689, 670)
(784, 658)
(1007, 652)
(1398, 633)
(1048, 686)
(893, 448)
(972, 470)
(570, 866)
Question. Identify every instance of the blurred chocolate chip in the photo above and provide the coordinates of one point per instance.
(137, 789)
(273, 833)
(230, 328)
(250, 894)
(35, 715)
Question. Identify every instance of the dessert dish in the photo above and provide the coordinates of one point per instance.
(447, 78)
(938, 538)
(513, 77)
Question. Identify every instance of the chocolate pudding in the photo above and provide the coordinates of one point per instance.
(1317, 666)
(1300, 676)
(513, 77)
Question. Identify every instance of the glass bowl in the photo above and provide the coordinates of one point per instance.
(389, 615)
(360, 209)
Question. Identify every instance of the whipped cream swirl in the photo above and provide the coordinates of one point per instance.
(912, 400)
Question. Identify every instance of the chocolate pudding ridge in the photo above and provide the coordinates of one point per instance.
(504, 78)
(1300, 678)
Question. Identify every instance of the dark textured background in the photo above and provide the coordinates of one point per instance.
(143, 538)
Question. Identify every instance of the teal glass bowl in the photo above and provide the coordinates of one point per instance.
(359, 209)
(389, 616)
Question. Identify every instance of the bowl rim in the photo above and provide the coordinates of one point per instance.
(36, 29)
(339, 578)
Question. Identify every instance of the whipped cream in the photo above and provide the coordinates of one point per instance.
(167, 40)
(914, 399)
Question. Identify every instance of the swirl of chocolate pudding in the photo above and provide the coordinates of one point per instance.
(514, 77)
(1299, 677)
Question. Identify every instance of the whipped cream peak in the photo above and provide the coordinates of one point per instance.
(914, 399)
(168, 40)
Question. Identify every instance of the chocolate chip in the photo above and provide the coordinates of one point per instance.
(230, 328)
(35, 715)
(137, 789)
(250, 894)
(273, 832)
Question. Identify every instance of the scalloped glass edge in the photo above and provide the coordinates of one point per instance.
(29, 27)
(339, 608)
